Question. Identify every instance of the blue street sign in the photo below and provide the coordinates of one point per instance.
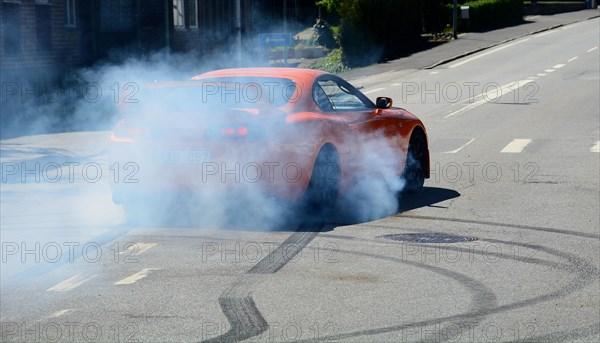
(275, 39)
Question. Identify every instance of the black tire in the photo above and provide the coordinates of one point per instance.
(414, 170)
(322, 191)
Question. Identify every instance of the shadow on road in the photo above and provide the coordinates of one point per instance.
(428, 197)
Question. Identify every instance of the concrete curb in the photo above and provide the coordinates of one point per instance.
(464, 54)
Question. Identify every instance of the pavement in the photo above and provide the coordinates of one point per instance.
(472, 42)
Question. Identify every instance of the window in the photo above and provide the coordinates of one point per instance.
(70, 13)
(332, 94)
(178, 14)
(193, 13)
(43, 27)
(11, 27)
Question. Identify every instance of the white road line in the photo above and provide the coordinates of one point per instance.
(59, 313)
(595, 147)
(516, 146)
(533, 77)
(542, 74)
(433, 72)
(592, 49)
(70, 283)
(544, 33)
(490, 95)
(397, 84)
(486, 53)
(135, 277)
(572, 59)
(374, 90)
(137, 248)
(459, 149)
(558, 66)
(549, 70)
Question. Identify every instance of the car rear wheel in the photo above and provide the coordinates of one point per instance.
(414, 170)
(322, 192)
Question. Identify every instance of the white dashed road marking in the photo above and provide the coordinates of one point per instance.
(459, 149)
(592, 49)
(70, 283)
(541, 74)
(374, 90)
(595, 147)
(137, 248)
(549, 70)
(59, 313)
(572, 59)
(135, 277)
(492, 94)
(516, 146)
(558, 66)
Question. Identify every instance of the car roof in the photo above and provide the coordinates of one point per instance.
(290, 73)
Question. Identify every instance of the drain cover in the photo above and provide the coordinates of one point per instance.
(427, 238)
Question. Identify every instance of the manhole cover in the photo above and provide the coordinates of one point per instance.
(427, 238)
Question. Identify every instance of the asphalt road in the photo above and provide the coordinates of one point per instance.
(514, 135)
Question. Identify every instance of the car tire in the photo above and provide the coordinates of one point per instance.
(414, 171)
(322, 191)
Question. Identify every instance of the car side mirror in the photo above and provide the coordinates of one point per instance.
(383, 102)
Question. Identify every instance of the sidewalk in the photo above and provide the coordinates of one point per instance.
(472, 42)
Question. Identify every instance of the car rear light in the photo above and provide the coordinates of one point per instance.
(233, 132)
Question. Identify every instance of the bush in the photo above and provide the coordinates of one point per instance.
(373, 30)
(324, 34)
(491, 14)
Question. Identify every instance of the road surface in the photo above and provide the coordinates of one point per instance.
(501, 245)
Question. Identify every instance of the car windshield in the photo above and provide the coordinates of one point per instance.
(217, 94)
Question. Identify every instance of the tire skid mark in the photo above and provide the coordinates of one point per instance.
(567, 335)
(585, 274)
(514, 226)
(504, 256)
(237, 304)
(483, 300)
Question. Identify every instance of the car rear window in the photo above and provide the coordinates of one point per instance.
(218, 93)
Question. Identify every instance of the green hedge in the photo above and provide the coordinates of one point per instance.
(491, 14)
(374, 30)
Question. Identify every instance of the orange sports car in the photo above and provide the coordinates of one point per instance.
(296, 135)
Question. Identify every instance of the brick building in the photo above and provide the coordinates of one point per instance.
(41, 37)
(47, 37)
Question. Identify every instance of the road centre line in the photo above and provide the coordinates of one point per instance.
(70, 283)
(549, 70)
(487, 53)
(592, 49)
(558, 66)
(541, 74)
(516, 146)
(135, 277)
(595, 147)
(397, 84)
(374, 90)
(460, 148)
(137, 248)
(572, 59)
(491, 95)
